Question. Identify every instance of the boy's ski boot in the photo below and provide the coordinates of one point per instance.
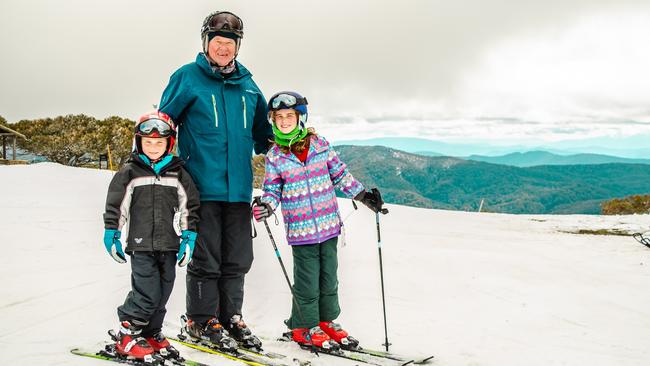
(212, 332)
(161, 345)
(130, 344)
(337, 333)
(314, 338)
(240, 332)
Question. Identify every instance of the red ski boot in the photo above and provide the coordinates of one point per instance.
(339, 335)
(161, 345)
(313, 337)
(130, 344)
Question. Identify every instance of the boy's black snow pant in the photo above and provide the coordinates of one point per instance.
(222, 256)
(152, 281)
(315, 284)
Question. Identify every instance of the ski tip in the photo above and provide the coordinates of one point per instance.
(423, 361)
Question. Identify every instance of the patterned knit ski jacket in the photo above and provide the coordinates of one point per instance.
(306, 191)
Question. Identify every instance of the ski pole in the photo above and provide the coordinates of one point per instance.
(258, 200)
(381, 266)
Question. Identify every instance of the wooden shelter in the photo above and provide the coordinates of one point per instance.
(8, 134)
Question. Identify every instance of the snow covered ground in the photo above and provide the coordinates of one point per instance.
(473, 289)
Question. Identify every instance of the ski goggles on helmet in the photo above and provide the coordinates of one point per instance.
(154, 126)
(223, 21)
(287, 101)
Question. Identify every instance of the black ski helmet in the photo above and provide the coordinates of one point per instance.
(289, 100)
(222, 23)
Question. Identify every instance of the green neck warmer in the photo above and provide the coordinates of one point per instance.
(288, 139)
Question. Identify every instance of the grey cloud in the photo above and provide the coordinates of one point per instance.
(114, 58)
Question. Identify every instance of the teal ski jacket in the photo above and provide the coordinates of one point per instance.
(220, 122)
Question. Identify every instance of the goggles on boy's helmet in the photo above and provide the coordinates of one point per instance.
(154, 127)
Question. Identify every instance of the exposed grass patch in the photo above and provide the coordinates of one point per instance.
(599, 232)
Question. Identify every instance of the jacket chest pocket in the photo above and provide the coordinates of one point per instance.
(248, 104)
(213, 99)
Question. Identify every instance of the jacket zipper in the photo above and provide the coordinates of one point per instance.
(153, 200)
(311, 203)
(243, 99)
(214, 109)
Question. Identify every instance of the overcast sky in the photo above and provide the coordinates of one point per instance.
(485, 70)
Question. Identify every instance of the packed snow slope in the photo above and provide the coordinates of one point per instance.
(471, 288)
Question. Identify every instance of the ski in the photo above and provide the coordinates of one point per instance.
(392, 356)
(261, 352)
(286, 337)
(242, 347)
(246, 356)
(357, 353)
(342, 354)
(642, 239)
(109, 354)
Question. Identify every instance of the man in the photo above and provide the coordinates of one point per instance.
(221, 116)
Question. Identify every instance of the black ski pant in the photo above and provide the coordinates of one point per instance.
(152, 281)
(222, 257)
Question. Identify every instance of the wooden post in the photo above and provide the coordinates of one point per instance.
(14, 148)
(4, 147)
(110, 159)
(480, 207)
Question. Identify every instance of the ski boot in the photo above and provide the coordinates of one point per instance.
(240, 332)
(130, 344)
(337, 333)
(161, 345)
(212, 334)
(314, 338)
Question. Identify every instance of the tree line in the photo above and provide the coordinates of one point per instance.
(78, 140)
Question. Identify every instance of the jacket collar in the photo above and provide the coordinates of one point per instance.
(172, 163)
(316, 146)
(240, 74)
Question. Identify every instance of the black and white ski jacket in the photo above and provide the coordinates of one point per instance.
(157, 207)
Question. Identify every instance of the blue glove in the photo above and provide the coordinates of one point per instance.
(113, 245)
(188, 239)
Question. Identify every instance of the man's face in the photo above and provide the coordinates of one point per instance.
(222, 50)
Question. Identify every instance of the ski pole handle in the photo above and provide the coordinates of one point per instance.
(382, 210)
(257, 200)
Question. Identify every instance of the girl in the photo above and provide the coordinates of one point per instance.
(302, 171)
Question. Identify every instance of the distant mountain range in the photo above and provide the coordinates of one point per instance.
(534, 158)
(458, 184)
(628, 147)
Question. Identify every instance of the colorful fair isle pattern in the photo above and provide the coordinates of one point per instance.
(306, 191)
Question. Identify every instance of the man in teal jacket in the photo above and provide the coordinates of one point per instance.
(222, 117)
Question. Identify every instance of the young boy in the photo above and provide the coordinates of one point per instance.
(302, 171)
(158, 199)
